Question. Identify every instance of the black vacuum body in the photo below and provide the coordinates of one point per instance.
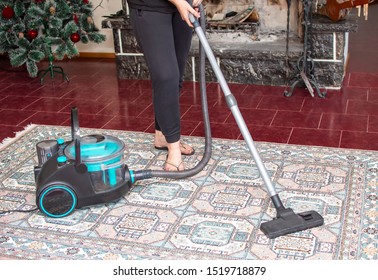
(85, 171)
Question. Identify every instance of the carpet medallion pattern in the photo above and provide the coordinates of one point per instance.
(213, 215)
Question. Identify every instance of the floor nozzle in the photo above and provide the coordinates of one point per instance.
(289, 222)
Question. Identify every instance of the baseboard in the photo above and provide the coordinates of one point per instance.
(82, 54)
(97, 55)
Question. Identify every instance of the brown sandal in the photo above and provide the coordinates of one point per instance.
(177, 166)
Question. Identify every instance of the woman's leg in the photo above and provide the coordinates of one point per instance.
(182, 34)
(154, 34)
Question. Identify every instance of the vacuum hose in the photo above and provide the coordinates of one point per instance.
(146, 174)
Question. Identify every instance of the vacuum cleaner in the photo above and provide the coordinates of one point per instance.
(88, 170)
(84, 171)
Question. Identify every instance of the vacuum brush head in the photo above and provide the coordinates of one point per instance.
(288, 222)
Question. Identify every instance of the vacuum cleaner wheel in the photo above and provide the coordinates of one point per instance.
(57, 201)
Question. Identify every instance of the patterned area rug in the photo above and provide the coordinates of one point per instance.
(214, 215)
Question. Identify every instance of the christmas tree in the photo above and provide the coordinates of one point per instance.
(33, 30)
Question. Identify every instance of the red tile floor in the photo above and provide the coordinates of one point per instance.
(346, 118)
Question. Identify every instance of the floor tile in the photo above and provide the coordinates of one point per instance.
(357, 107)
(195, 114)
(359, 140)
(324, 105)
(373, 95)
(84, 106)
(147, 112)
(373, 124)
(281, 103)
(48, 118)
(51, 90)
(141, 97)
(128, 123)
(17, 102)
(190, 86)
(150, 128)
(194, 98)
(136, 85)
(344, 122)
(355, 93)
(19, 89)
(297, 119)
(254, 116)
(90, 121)
(218, 130)
(20, 78)
(315, 137)
(4, 88)
(49, 104)
(363, 80)
(121, 83)
(188, 127)
(243, 101)
(14, 117)
(235, 89)
(86, 93)
(269, 133)
(123, 108)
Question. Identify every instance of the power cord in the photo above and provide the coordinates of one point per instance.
(22, 211)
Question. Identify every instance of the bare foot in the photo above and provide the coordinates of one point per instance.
(174, 160)
(161, 144)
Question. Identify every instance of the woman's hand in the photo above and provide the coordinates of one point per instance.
(184, 9)
(196, 3)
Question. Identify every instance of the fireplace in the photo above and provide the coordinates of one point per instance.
(273, 12)
(252, 51)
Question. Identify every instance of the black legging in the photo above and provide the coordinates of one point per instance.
(165, 41)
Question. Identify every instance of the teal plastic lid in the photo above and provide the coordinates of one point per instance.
(96, 148)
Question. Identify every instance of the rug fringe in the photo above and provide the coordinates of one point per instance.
(9, 140)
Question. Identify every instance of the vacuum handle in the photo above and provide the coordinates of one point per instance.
(75, 133)
(77, 151)
(194, 20)
(75, 129)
